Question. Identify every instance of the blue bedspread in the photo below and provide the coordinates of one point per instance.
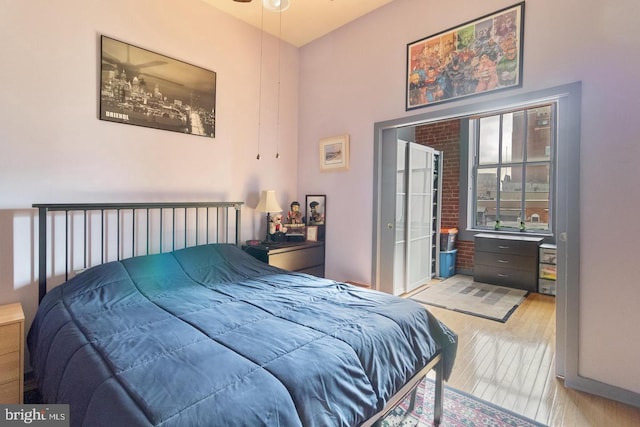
(209, 336)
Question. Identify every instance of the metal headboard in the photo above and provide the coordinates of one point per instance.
(222, 222)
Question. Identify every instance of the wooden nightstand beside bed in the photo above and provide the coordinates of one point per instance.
(11, 353)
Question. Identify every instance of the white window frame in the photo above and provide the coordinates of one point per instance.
(474, 142)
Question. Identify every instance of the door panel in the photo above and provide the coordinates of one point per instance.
(407, 215)
(420, 198)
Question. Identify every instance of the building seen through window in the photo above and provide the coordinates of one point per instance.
(513, 169)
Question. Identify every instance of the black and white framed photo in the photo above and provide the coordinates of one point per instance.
(144, 88)
(316, 214)
(316, 206)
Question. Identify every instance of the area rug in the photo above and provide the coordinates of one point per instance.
(461, 293)
(460, 410)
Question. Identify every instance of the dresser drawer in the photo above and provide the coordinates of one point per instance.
(299, 259)
(9, 367)
(317, 271)
(506, 260)
(9, 338)
(11, 353)
(10, 392)
(511, 278)
(306, 257)
(506, 246)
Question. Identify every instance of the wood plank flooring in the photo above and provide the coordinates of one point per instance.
(512, 365)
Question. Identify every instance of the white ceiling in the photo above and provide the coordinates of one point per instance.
(304, 21)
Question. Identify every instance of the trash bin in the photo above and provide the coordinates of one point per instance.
(448, 263)
(448, 238)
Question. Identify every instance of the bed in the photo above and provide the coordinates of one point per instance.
(205, 334)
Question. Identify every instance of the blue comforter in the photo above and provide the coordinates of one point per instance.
(209, 336)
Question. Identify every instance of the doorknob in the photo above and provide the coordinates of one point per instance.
(390, 226)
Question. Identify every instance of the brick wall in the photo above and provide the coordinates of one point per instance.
(445, 137)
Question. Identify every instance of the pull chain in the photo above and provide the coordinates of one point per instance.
(279, 78)
(260, 81)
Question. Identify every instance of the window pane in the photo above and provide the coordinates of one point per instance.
(419, 270)
(537, 197)
(400, 216)
(513, 125)
(420, 174)
(513, 167)
(398, 269)
(511, 196)
(486, 196)
(489, 144)
(539, 143)
(400, 164)
(420, 215)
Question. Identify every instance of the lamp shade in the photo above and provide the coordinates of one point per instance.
(268, 202)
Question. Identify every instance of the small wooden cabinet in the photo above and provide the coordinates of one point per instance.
(11, 353)
(303, 257)
(507, 260)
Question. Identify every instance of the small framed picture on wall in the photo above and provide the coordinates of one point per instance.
(334, 153)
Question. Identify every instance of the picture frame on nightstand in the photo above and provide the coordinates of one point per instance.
(312, 233)
(316, 206)
(316, 213)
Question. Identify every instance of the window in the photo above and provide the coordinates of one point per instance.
(513, 159)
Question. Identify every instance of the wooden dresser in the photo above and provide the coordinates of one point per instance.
(11, 353)
(507, 260)
(304, 257)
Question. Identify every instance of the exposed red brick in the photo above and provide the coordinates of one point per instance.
(445, 137)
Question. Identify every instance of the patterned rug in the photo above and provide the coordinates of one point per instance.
(460, 293)
(460, 410)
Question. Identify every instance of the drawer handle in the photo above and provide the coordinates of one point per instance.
(504, 261)
(502, 275)
(503, 247)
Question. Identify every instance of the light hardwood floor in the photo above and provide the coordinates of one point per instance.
(512, 365)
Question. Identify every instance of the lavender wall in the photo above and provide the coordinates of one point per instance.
(355, 77)
(53, 148)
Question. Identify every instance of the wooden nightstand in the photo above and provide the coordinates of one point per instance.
(304, 257)
(11, 353)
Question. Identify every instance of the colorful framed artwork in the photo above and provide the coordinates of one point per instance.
(479, 56)
(144, 88)
(334, 153)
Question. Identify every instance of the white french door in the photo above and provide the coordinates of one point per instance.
(409, 216)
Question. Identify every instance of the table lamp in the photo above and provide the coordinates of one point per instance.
(268, 204)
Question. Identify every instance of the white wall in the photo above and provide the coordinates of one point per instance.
(355, 77)
(53, 148)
